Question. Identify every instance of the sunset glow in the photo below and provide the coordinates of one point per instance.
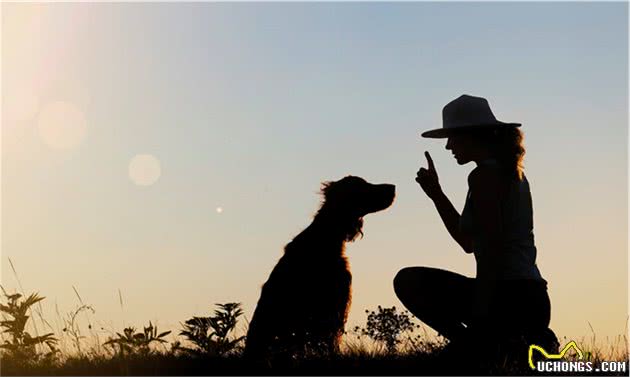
(170, 151)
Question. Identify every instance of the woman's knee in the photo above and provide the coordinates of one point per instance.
(405, 281)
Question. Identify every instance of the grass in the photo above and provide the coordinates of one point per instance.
(390, 343)
(356, 359)
(413, 354)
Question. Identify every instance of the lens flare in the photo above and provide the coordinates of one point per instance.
(144, 169)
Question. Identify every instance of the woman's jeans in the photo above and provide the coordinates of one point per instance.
(444, 300)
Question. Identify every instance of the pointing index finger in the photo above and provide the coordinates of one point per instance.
(430, 161)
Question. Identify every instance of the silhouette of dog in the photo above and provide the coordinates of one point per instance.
(304, 304)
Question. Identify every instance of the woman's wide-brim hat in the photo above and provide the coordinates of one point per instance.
(466, 113)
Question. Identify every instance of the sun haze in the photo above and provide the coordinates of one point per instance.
(126, 125)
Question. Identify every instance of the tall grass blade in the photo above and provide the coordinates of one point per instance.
(120, 299)
(78, 295)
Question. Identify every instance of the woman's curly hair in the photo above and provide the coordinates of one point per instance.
(506, 145)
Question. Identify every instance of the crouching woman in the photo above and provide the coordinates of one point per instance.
(508, 296)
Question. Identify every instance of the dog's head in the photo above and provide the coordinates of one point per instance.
(351, 198)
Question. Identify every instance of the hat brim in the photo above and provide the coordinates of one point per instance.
(440, 133)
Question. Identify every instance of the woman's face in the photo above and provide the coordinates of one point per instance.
(464, 148)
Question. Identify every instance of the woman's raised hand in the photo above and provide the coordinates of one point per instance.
(428, 178)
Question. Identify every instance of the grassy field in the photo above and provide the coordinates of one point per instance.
(390, 343)
(351, 362)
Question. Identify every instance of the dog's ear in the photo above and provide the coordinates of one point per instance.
(326, 187)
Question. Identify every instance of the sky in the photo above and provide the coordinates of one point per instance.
(158, 156)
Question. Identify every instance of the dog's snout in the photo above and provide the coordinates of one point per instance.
(388, 190)
(391, 189)
(387, 194)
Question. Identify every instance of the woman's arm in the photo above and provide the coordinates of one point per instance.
(450, 218)
(428, 180)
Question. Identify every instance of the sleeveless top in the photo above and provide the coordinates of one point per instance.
(518, 255)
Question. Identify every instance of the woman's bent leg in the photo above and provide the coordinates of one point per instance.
(439, 298)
